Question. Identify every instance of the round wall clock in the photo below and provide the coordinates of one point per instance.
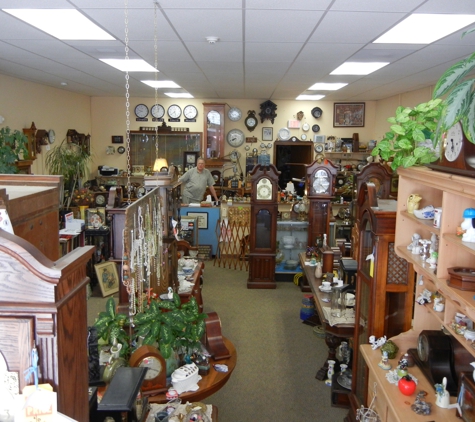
(251, 120)
(316, 128)
(317, 112)
(141, 111)
(319, 148)
(234, 114)
(150, 357)
(284, 134)
(305, 127)
(303, 137)
(100, 199)
(174, 111)
(158, 111)
(190, 112)
(121, 150)
(235, 138)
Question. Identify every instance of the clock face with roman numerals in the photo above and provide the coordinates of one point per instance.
(264, 190)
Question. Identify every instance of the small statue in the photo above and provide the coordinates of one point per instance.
(414, 245)
(330, 372)
(424, 297)
(413, 202)
(432, 260)
(467, 225)
(384, 364)
(376, 343)
(442, 395)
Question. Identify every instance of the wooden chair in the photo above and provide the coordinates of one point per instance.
(185, 247)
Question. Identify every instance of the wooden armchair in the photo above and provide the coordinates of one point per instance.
(185, 247)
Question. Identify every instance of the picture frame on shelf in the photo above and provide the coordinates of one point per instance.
(190, 158)
(107, 277)
(95, 218)
(202, 219)
(348, 114)
(267, 134)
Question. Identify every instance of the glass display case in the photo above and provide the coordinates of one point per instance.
(291, 240)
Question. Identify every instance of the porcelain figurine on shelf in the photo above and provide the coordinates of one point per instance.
(442, 395)
(414, 243)
(467, 225)
(384, 364)
(330, 372)
(413, 202)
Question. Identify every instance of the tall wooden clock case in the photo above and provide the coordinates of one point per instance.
(320, 181)
(263, 233)
(385, 285)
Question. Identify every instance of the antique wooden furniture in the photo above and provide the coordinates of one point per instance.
(320, 182)
(32, 203)
(263, 228)
(44, 303)
(210, 383)
(454, 194)
(385, 284)
(334, 334)
(381, 176)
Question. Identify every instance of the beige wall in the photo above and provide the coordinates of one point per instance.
(22, 103)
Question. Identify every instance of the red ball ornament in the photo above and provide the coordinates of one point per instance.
(407, 385)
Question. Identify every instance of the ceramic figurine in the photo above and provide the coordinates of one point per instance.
(330, 372)
(413, 202)
(467, 225)
(432, 260)
(318, 270)
(384, 364)
(442, 395)
(414, 243)
(473, 375)
(420, 406)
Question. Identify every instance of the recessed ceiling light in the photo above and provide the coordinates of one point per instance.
(65, 24)
(130, 65)
(64, 83)
(161, 84)
(322, 86)
(178, 95)
(358, 68)
(310, 97)
(425, 28)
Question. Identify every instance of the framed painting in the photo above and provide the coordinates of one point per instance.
(116, 139)
(348, 114)
(267, 134)
(107, 277)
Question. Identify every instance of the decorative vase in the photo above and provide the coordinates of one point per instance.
(82, 210)
(413, 202)
(318, 270)
(330, 372)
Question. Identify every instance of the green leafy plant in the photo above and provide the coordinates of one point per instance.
(459, 105)
(110, 327)
(13, 147)
(172, 325)
(406, 144)
(70, 161)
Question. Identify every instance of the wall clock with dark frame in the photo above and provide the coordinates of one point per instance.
(190, 158)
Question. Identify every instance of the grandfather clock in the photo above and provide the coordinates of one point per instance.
(320, 181)
(263, 230)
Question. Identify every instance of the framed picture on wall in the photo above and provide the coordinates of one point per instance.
(348, 114)
(202, 219)
(267, 134)
(190, 158)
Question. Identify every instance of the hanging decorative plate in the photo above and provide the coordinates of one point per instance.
(121, 150)
(284, 134)
(316, 128)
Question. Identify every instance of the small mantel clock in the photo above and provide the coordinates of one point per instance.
(263, 231)
(457, 155)
(320, 186)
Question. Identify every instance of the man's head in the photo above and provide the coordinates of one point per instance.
(200, 164)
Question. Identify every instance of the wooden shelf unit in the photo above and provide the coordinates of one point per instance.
(454, 194)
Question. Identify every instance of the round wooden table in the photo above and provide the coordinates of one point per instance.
(208, 384)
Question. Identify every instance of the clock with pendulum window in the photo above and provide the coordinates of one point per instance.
(320, 185)
(263, 230)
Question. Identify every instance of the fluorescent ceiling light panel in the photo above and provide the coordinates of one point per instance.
(178, 95)
(65, 24)
(425, 28)
(358, 68)
(322, 86)
(310, 97)
(161, 84)
(130, 65)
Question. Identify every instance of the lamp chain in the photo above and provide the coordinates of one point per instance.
(155, 46)
(127, 103)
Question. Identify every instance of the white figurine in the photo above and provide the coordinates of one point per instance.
(414, 243)
(442, 395)
(376, 343)
(467, 225)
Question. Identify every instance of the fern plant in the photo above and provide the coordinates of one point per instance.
(13, 147)
(459, 105)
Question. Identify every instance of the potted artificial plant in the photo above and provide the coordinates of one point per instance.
(411, 139)
(13, 147)
(71, 161)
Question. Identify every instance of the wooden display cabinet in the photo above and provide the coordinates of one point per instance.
(454, 194)
(385, 285)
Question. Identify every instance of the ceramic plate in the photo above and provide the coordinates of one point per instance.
(284, 134)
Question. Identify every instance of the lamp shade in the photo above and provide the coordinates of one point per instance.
(159, 164)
